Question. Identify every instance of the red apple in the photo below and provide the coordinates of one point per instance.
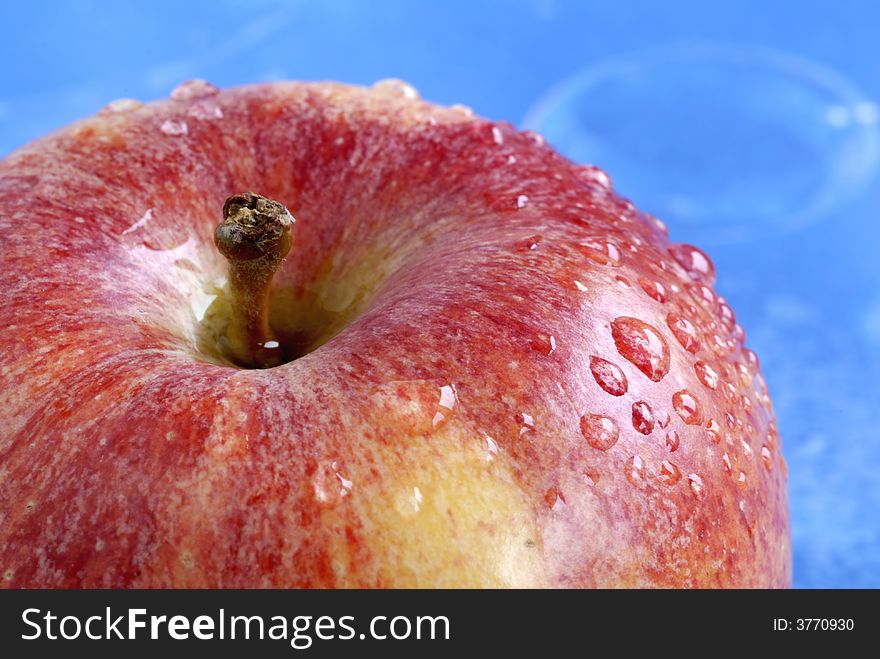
(496, 371)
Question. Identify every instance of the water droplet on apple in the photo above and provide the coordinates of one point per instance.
(687, 406)
(751, 360)
(554, 499)
(396, 87)
(497, 135)
(728, 466)
(673, 440)
(654, 289)
(767, 457)
(544, 344)
(174, 128)
(642, 417)
(642, 345)
(526, 422)
(593, 177)
(345, 485)
(623, 282)
(713, 431)
(718, 345)
(591, 476)
(669, 473)
(632, 246)
(121, 105)
(330, 485)
(578, 285)
(603, 253)
(608, 376)
(601, 432)
(747, 450)
(635, 470)
(745, 376)
(706, 374)
(521, 201)
(738, 334)
(698, 266)
(684, 332)
(658, 223)
(696, 485)
(535, 137)
(491, 449)
(529, 244)
(730, 420)
(730, 392)
(190, 90)
(662, 418)
(725, 315)
(445, 405)
(742, 480)
(205, 110)
(462, 110)
(271, 347)
(704, 295)
(746, 404)
(447, 396)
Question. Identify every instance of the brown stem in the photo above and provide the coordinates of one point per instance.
(254, 236)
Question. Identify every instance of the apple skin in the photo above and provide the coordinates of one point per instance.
(484, 300)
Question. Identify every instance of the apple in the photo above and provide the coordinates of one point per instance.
(466, 362)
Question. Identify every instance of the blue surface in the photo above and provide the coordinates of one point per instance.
(809, 297)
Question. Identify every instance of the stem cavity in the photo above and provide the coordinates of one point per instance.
(254, 236)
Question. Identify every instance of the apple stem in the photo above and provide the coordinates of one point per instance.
(254, 236)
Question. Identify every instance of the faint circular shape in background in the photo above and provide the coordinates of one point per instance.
(725, 142)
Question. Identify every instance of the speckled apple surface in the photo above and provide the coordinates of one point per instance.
(520, 381)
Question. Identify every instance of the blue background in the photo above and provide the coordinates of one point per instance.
(809, 299)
